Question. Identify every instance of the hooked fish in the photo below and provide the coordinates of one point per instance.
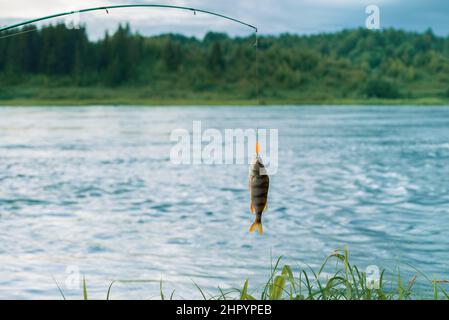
(258, 187)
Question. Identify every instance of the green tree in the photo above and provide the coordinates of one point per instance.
(378, 88)
(172, 55)
(216, 59)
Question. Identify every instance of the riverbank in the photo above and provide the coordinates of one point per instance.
(335, 279)
(129, 101)
(23, 95)
(64, 95)
(342, 68)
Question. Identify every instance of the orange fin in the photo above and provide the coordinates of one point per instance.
(256, 225)
(251, 206)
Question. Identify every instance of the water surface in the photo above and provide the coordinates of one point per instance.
(93, 189)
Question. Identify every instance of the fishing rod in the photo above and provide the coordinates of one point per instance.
(102, 8)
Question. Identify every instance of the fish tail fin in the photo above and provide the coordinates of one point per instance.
(257, 225)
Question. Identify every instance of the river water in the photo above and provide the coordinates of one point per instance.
(91, 191)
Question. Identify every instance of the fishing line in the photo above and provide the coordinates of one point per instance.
(256, 45)
(18, 33)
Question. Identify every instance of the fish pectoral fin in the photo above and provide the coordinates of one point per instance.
(266, 207)
(251, 205)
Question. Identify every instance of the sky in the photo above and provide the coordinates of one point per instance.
(270, 16)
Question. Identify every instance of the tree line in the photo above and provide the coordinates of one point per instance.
(347, 64)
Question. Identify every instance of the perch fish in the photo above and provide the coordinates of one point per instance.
(258, 187)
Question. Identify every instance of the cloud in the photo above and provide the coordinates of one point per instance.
(271, 16)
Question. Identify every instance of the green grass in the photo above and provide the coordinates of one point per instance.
(142, 96)
(219, 102)
(335, 279)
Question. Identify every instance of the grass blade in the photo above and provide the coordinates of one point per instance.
(59, 288)
(201, 291)
(84, 289)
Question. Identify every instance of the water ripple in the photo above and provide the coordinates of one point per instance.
(94, 188)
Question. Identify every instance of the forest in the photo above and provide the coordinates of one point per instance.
(58, 65)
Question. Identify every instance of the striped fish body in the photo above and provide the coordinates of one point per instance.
(258, 185)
